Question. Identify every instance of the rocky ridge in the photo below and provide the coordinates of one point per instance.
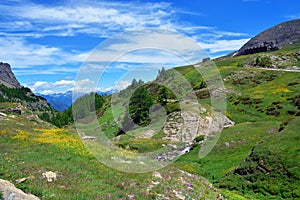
(283, 34)
(12, 91)
(7, 77)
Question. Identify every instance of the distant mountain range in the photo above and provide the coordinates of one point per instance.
(272, 39)
(62, 101)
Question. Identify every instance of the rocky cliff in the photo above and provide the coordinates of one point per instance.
(12, 91)
(272, 39)
(7, 77)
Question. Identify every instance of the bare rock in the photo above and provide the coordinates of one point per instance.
(49, 176)
(7, 77)
(10, 192)
(272, 39)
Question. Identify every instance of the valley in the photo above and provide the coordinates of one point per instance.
(249, 150)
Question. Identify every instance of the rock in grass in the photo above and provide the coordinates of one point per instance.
(49, 176)
(9, 191)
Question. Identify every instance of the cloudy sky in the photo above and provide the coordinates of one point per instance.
(47, 43)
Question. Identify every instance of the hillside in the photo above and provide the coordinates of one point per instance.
(279, 36)
(60, 101)
(7, 77)
(263, 104)
(176, 116)
(12, 91)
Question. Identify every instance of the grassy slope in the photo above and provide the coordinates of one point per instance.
(272, 169)
(28, 148)
(258, 103)
(250, 104)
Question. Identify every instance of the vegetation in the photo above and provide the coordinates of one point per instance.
(17, 94)
(140, 103)
(81, 108)
(257, 158)
(270, 170)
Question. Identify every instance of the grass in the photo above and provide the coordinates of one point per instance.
(252, 160)
(272, 168)
(233, 147)
(30, 149)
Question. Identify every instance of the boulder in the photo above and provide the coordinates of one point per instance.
(49, 176)
(10, 192)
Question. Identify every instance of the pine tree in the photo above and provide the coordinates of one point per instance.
(139, 106)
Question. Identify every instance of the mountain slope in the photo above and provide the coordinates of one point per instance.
(59, 101)
(62, 101)
(272, 39)
(12, 91)
(7, 77)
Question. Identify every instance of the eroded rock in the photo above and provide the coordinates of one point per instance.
(10, 192)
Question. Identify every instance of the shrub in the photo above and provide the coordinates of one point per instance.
(263, 61)
(199, 138)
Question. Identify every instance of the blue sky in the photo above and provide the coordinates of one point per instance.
(46, 42)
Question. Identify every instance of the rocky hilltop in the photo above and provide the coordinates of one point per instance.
(7, 77)
(272, 39)
(12, 91)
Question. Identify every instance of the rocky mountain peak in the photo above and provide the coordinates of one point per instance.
(272, 39)
(7, 77)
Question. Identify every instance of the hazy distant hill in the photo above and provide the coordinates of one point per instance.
(62, 101)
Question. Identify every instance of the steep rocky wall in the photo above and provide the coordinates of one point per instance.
(7, 77)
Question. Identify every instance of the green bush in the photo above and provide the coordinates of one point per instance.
(263, 61)
(199, 138)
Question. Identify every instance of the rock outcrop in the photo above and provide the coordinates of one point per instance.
(10, 192)
(272, 39)
(11, 90)
(186, 126)
(7, 77)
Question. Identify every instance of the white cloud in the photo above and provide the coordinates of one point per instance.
(52, 87)
(294, 16)
(23, 55)
(122, 84)
(223, 45)
(29, 21)
(88, 17)
(148, 46)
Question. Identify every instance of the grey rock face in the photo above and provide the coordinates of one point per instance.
(272, 39)
(10, 192)
(7, 77)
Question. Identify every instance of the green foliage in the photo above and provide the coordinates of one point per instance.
(163, 95)
(199, 138)
(17, 94)
(263, 61)
(140, 103)
(239, 64)
(86, 105)
(82, 108)
(269, 170)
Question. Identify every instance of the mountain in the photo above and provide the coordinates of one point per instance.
(12, 91)
(62, 101)
(256, 157)
(59, 101)
(7, 77)
(273, 39)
